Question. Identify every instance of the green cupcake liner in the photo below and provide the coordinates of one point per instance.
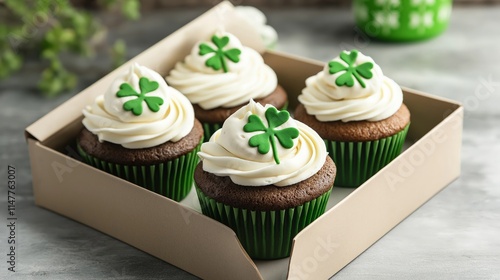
(210, 128)
(357, 161)
(402, 20)
(172, 179)
(265, 234)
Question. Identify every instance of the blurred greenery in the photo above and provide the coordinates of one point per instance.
(50, 28)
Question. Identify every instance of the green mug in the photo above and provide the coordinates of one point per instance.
(402, 20)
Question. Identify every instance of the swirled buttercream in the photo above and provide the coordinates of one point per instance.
(110, 121)
(198, 79)
(370, 96)
(228, 152)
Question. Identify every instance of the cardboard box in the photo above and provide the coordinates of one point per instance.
(179, 234)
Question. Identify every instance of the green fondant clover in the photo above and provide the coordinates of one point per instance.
(265, 141)
(218, 60)
(135, 105)
(362, 70)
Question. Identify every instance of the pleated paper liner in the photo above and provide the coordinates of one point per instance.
(265, 234)
(172, 179)
(358, 161)
(210, 128)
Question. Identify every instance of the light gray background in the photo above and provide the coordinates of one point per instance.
(456, 235)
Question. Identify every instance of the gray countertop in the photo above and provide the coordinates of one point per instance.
(455, 235)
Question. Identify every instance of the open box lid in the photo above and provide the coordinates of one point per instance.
(178, 44)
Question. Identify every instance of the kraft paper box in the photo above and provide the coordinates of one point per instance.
(179, 234)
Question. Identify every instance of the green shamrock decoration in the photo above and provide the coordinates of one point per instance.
(135, 105)
(265, 141)
(362, 70)
(218, 60)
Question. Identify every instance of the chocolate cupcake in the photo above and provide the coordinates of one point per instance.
(143, 131)
(266, 176)
(358, 112)
(220, 75)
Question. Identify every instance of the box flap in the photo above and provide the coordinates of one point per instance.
(178, 45)
(388, 197)
(146, 220)
(356, 226)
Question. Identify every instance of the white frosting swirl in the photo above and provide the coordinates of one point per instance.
(107, 119)
(250, 78)
(229, 154)
(379, 99)
(258, 20)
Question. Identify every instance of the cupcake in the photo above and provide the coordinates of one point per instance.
(143, 131)
(220, 75)
(266, 176)
(358, 112)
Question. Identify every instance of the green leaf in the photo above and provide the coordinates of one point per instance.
(275, 118)
(233, 55)
(135, 105)
(67, 35)
(9, 61)
(118, 52)
(126, 90)
(218, 60)
(261, 141)
(335, 67)
(345, 80)
(350, 58)
(147, 86)
(131, 9)
(351, 71)
(220, 42)
(56, 79)
(365, 70)
(254, 124)
(154, 103)
(286, 136)
(214, 62)
(204, 49)
(265, 141)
